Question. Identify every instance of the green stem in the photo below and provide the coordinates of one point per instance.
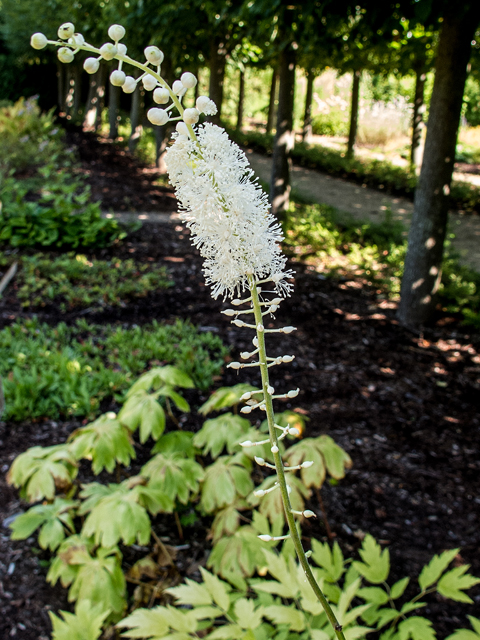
(297, 543)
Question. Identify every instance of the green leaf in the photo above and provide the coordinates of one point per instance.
(466, 634)
(226, 431)
(191, 593)
(324, 453)
(159, 376)
(227, 520)
(416, 628)
(40, 471)
(398, 588)
(225, 397)
(225, 480)
(331, 560)
(452, 584)
(159, 622)
(54, 519)
(248, 617)
(142, 410)
(376, 563)
(271, 504)
(173, 474)
(375, 595)
(217, 588)
(85, 624)
(176, 442)
(290, 616)
(434, 569)
(106, 441)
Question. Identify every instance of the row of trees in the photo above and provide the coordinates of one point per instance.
(405, 37)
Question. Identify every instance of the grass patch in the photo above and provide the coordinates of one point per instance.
(76, 282)
(69, 370)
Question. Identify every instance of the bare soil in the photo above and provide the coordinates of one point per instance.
(404, 406)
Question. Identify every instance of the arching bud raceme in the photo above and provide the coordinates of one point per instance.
(149, 83)
(116, 32)
(182, 128)
(206, 106)
(129, 85)
(91, 65)
(121, 49)
(188, 80)
(117, 78)
(65, 55)
(157, 116)
(66, 31)
(190, 116)
(161, 95)
(177, 87)
(77, 39)
(108, 51)
(154, 55)
(38, 41)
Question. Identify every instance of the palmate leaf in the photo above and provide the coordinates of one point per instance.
(40, 471)
(225, 480)
(159, 377)
(225, 397)
(330, 560)
(227, 520)
(96, 577)
(376, 563)
(176, 476)
(271, 505)
(452, 584)
(53, 519)
(225, 431)
(326, 456)
(466, 634)
(160, 622)
(416, 628)
(143, 410)
(176, 442)
(106, 441)
(291, 616)
(85, 624)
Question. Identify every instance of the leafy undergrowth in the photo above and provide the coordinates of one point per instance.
(70, 370)
(75, 282)
(374, 173)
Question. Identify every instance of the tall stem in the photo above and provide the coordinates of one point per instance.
(297, 543)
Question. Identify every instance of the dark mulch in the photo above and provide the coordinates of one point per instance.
(404, 406)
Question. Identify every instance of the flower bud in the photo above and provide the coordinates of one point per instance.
(77, 39)
(157, 116)
(188, 80)
(116, 32)
(66, 31)
(38, 41)
(154, 55)
(260, 461)
(108, 51)
(294, 431)
(287, 329)
(229, 312)
(177, 87)
(246, 410)
(308, 514)
(149, 82)
(235, 365)
(65, 54)
(190, 116)
(182, 128)
(307, 464)
(236, 302)
(270, 390)
(117, 78)
(129, 85)
(244, 355)
(274, 449)
(246, 444)
(260, 493)
(206, 106)
(238, 323)
(91, 65)
(293, 393)
(246, 396)
(161, 95)
(121, 48)
(260, 328)
(265, 537)
(287, 358)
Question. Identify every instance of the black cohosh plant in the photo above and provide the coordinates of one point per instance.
(228, 215)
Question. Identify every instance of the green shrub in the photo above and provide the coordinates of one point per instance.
(76, 282)
(330, 124)
(65, 370)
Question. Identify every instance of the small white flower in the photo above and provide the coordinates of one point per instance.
(129, 85)
(188, 80)
(149, 82)
(177, 87)
(182, 129)
(77, 39)
(154, 55)
(206, 106)
(117, 78)
(38, 41)
(157, 116)
(161, 96)
(65, 55)
(116, 32)
(190, 116)
(91, 65)
(108, 51)
(66, 31)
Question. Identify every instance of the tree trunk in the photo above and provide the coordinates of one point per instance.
(307, 117)
(218, 60)
(352, 133)
(136, 128)
(416, 151)
(77, 89)
(241, 97)
(423, 263)
(271, 103)
(284, 137)
(161, 139)
(100, 103)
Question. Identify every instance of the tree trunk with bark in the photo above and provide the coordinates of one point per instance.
(271, 102)
(352, 132)
(418, 124)
(307, 117)
(218, 59)
(284, 137)
(423, 263)
(241, 99)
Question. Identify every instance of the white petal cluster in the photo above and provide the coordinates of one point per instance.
(226, 211)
